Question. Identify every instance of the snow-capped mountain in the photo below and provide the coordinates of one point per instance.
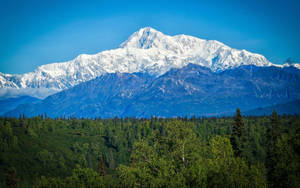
(146, 50)
(191, 90)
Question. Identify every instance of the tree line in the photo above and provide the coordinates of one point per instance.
(156, 152)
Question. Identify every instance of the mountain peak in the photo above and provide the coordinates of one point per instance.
(143, 38)
(147, 51)
(148, 30)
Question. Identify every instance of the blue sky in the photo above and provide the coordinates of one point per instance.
(33, 33)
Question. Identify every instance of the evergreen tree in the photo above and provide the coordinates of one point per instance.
(285, 172)
(11, 179)
(101, 166)
(273, 133)
(237, 134)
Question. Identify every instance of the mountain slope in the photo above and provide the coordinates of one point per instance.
(292, 107)
(107, 95)
(11, 103)
(195, 90)
(147, 50)
(191, 90)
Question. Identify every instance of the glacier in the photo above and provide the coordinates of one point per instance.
(146, 51)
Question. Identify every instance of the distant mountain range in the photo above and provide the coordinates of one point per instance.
(191, 90)
(289, 108)
(11, 103)
(152, 74)
(147, 51)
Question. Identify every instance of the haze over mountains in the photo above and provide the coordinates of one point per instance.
(155, 74)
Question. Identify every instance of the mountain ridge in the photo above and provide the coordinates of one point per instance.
(191, 90)
(11, 103)
(289, 108)
(146, 50)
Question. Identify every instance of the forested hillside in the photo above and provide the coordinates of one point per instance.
(154, 152)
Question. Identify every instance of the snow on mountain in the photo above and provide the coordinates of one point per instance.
(296, 65)
(191, 90)
(146, 50)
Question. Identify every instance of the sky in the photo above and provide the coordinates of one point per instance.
(37, 32)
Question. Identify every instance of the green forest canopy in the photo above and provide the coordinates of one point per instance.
(155, 152)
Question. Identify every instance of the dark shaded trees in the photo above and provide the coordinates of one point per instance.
(11, 180)
(101, 166)
(238, 132)
(273, 133)
(283, 155)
